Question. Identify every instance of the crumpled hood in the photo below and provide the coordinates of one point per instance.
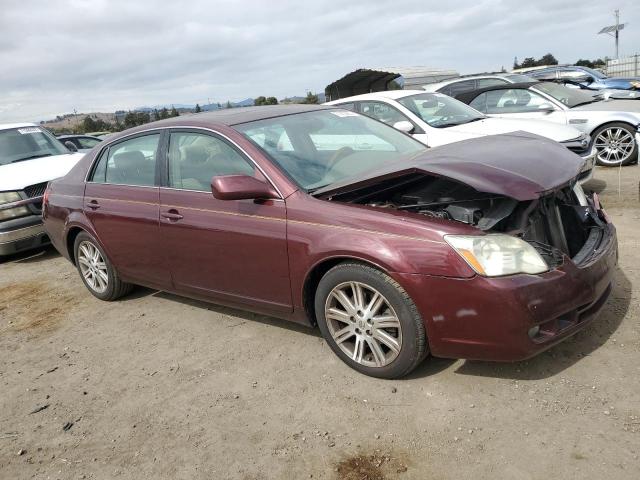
(632, 106)
(519, 165)
(496, 126)
(17, 176)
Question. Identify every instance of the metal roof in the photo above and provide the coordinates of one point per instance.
(367, 80)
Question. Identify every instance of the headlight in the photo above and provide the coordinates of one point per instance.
(496, 255)
(8, 197)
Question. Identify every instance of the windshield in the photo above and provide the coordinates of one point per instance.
(518, 78)
(322, 147)
(593, 72)
(26, 143)
(571, 97)
(440, 110)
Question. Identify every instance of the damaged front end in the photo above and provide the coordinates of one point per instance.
(559, 223)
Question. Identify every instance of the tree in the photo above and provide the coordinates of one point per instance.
(174, 112)
(528, 62)
(156, 114)
(272, 101)
(130, 120)
(198, 109)
(258, 102)
(228, 105)
(164, 113)
(515, 63)
(547, 59)
(311, 98)
(89, 125)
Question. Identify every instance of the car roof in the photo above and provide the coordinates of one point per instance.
(227, 117)
(466, 97)
(391, 94)
(79, 135)
(7, 126)
(238, 115)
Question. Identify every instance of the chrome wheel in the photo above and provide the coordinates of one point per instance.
(93, 267)
(614, 145)
(363, 324)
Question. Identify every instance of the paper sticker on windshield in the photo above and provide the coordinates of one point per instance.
(344, 113)
(24, 131)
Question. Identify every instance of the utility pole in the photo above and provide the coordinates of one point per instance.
(614, 31)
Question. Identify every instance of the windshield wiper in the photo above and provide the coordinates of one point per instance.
(31, 157)
(473, 120)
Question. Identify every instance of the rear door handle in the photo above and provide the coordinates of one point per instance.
(93, 204)
(172, 215)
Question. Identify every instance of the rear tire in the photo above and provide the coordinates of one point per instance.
(616, 145)
(96, 271)
(369, 321)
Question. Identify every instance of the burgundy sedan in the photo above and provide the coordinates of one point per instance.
(482, 249)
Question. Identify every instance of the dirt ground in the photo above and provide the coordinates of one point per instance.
(156, 386)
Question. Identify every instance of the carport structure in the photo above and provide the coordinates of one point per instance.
(366, 80)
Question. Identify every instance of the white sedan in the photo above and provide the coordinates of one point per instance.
(436, 119)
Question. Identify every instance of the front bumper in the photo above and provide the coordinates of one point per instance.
(484, 318)
(24, 233)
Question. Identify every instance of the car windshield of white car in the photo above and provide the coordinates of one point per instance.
(440, 111)
(571, 97)
(26, 143)
(316, 149)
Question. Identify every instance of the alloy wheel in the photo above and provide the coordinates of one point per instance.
(614, 145)
(363, 324)
(93, 267)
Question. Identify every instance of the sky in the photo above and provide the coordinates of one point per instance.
(107, 55)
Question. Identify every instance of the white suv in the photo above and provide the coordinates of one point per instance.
(30, 157)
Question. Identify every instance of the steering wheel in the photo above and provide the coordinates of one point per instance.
(337, 156)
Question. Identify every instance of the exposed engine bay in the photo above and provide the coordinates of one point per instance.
(564, 221)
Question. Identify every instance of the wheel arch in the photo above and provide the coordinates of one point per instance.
(70, 241)
(610, 122)
(318, 270)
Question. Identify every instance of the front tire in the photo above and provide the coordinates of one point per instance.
(616, 145)
(370, 321)
(96, 272)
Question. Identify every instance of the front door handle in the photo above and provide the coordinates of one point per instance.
(172, 215)
(93, 205)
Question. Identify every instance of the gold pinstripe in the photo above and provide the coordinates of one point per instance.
(261, 217)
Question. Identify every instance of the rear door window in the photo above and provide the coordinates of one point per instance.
(131, 162)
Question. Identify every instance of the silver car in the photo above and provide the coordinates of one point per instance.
(612, 124)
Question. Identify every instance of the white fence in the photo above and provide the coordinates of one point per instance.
(624, 67)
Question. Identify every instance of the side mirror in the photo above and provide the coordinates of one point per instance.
(71, 146)
(404, 126)
(240, 187)
(546, 108)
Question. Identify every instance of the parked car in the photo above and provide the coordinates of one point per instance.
(584, 76)
(29, 157)
(484, 249)
(79, 143)
(612, 124)
(469, 83)
(436, 119)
